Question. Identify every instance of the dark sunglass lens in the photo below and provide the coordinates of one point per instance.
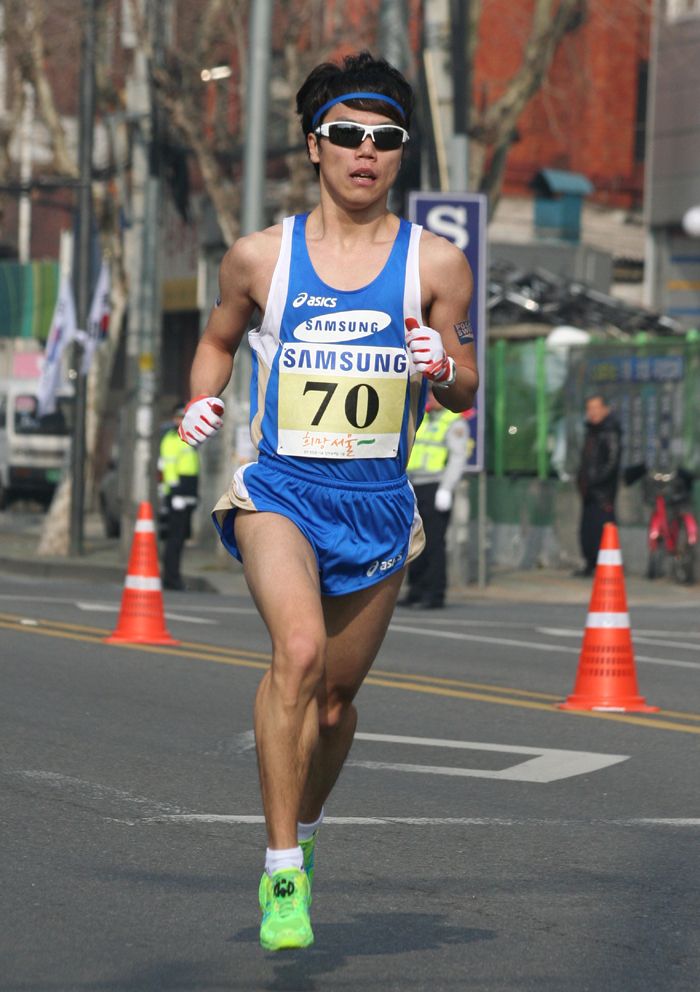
(388, 139)
(346, 135)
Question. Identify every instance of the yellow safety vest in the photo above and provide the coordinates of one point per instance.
(430, 453)
(177, 458)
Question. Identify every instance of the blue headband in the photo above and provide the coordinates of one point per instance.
(357, 96)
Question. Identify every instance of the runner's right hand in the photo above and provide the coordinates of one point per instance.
(202, 419)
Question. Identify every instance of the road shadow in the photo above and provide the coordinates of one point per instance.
(365, 935)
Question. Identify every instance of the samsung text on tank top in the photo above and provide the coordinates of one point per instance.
(333, 384)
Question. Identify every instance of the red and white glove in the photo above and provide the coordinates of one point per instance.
(202, 419)
(428, 353)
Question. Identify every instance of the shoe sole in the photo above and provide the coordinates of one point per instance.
(287, 941)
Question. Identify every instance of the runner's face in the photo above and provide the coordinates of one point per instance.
(359, 176)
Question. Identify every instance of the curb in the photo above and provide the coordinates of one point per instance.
(111, 574)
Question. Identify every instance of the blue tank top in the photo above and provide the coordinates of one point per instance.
(334, 392)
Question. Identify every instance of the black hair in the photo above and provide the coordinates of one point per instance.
(360, 73)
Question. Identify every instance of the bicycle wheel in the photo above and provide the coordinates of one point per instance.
(684, 558)
(655, 568)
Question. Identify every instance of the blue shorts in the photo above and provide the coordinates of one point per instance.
(360, 533)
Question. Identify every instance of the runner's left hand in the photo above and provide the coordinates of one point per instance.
(428, 353)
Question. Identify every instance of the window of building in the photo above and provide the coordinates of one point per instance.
(682, 10)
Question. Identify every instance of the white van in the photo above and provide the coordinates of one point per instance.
(32, 449)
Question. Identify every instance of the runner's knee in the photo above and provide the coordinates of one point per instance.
(298, 660)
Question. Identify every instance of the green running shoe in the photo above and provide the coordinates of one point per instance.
(284, 901)
(307, 847)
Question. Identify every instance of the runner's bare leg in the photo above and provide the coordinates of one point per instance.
(356, 625)
(298, 693)
(282, 574)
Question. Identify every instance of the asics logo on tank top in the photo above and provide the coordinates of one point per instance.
(314, 301)
(346, 325)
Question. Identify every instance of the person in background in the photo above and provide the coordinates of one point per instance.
(598, 477)
(435, 467)
(179, 464)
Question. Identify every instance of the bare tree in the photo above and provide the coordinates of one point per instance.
(492, 129)
(24, 34)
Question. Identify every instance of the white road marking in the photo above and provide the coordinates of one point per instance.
(426, 821)
(535, 646)
(480, 638)
(112, 608)
(464, 623)
(637, 636)
(185, 619)
(97, 607)
(547, 765)
(95, 791)
(166, 813)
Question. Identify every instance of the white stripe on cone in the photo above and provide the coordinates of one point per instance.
(143, 583)
(144, 527)
(611, 557)
(608, 621)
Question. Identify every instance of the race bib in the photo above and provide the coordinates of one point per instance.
(337, 402)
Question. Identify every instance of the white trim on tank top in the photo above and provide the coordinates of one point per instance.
(265, 339)
(411, 289)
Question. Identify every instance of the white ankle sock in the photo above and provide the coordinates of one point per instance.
(305, 831)
(292, 857)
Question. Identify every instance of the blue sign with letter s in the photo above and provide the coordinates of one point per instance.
(461, 218)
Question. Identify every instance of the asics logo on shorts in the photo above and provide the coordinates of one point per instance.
(383, 566)
(314, 301)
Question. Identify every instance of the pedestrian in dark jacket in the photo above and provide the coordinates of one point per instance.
(598, 477)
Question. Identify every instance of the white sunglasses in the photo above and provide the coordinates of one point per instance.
(349, 134)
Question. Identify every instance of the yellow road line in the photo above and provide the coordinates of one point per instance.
(680, 716)
(213, 647)
(54, 623)
(390, 680)
(526, 703)
(467, 685)
(150, 648)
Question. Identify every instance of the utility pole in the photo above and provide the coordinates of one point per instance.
(393, 34)
(258, 88)
(461, 96)
(139, 435)
(83, 253)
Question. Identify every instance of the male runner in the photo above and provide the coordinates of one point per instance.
(360, 312)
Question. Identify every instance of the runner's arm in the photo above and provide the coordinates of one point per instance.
(447, 293)
(228, 320)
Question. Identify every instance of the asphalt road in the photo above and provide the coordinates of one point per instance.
(132, 842)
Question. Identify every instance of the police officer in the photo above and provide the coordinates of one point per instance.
(180, 468)
(434, 468)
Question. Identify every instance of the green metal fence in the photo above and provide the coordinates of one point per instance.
(536, 399)
(525, 382)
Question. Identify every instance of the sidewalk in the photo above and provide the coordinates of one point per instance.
(551, 585)
(102, 561)
(206, 571)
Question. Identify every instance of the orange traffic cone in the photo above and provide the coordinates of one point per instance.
(141, 619)
(606, 678)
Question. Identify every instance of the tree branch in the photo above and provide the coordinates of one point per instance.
(547, 31)
(28, 21)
